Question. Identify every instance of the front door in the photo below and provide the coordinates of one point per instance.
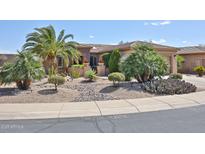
(93, 62)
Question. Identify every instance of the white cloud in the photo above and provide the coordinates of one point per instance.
(160, 41)
(184, 42)
(91, 36)
(165, 23)
(162, 23)
(6, 52)
(154, 24)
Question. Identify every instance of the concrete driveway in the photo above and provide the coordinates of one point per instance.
(194, 79)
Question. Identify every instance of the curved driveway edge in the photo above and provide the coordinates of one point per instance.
(99, 108)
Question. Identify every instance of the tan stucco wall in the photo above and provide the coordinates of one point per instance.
(190, 61)
(85, 52)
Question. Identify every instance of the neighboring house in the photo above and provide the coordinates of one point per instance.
(193, 56)
(7, 58)
(168, 52)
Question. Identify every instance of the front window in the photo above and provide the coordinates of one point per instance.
(60, 61)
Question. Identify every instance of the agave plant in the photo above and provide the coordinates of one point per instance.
(48, 46)
(27, 68)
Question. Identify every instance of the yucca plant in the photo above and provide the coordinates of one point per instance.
(48, 46)
(90, 75)
(27, 68)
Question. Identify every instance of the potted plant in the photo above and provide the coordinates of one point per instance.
(86, 63)
(101, 62)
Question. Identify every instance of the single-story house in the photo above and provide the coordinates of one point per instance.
(98, 50)
(92, 54)
(193, 56)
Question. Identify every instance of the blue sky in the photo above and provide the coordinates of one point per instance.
(174, 33)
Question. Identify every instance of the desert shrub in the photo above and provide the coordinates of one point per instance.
(114, 61)
(180, 60)
(168, 87)
(143, 64)
(90, 74)
(175, 76)
(56, 80)
(116, 77)
(74, 73)
(199, 70)
(106, 58)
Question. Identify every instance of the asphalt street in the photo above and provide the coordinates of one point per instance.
(186, 120)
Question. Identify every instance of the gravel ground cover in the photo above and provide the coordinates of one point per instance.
(77, 90)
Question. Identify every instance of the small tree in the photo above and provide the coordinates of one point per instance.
(56, 80)
(106, 58)
(26, 68)
(114, 61)
(144, 64)
(180, 60)
(116, 77)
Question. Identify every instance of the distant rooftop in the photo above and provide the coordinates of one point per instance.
(191, 50)
(101, 48)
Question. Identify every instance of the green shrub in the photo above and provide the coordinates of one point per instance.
(56, 80)
(175, 76)
(180, 60)
(114, 61)
(90, 74)
(116, 77)
(74, 73)
(144, 64)
(168, 87)
(199, 70)
(106, 58)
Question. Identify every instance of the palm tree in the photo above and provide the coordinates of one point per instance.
(26, 68)
(44, 43)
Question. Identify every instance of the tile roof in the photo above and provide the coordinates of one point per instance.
(192, 50)
(101, 48)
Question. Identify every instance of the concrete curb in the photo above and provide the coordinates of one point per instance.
(99, 108)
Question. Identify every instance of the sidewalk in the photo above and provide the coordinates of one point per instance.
(99, 108)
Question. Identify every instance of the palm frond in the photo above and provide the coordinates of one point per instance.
(61, 35)
(67, 36)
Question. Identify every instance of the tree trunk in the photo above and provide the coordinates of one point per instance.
(23, 84)
(56, 87)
